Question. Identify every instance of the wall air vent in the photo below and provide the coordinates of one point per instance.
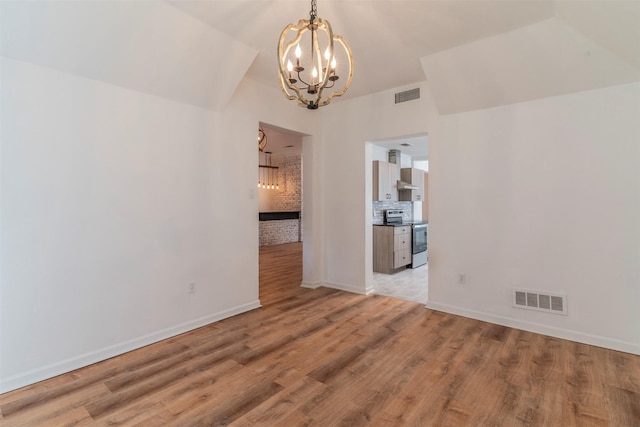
(534, 300)
(408, 95)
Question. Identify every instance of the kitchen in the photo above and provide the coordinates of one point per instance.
(400, 217)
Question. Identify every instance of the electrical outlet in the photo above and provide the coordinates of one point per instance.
(191, 288)
(462, 278)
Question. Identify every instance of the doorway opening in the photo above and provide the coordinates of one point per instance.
(403, 213)
(280, 212)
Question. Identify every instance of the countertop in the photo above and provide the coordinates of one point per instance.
(275, 216)
(402, 224)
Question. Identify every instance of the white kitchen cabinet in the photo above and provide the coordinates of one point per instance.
(385, 181)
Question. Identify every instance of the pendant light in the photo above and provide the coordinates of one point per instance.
(268, 174)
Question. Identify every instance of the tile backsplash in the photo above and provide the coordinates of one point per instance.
(380, 207)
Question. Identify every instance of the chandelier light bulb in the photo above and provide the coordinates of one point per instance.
(298, 54)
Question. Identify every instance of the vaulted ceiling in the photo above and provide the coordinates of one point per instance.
(475, 54)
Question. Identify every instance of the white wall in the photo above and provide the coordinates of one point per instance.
(405, 160)
(113, 201)
(421, 164)
(543, 195)
(380, 153)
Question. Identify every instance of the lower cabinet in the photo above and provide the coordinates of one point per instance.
(391, 248)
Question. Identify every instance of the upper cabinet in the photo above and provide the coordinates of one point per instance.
(414, 177)
(385, 181)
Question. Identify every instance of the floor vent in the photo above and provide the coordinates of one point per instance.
(408, 95)
(533, 300)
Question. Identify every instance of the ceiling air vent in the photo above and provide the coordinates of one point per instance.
(533, 300)
(408, 95)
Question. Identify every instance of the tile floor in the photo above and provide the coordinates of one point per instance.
(411, 284)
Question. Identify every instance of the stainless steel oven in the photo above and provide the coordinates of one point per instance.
(419, 244)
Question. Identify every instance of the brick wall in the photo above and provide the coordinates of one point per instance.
(287, 199)
(279, 232)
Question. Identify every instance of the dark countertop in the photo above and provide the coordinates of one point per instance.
(276, 216)
(402, 224)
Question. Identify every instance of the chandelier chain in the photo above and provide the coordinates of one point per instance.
(314, 11)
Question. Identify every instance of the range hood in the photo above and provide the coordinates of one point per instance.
(394, 157)
(406, 186)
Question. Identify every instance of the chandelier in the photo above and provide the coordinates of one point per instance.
(312, 77)
(262, 140)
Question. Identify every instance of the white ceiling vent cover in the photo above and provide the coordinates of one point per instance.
(408, 95)
(534, 300)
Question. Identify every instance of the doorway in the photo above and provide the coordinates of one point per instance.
(280, 211)
(407, 152)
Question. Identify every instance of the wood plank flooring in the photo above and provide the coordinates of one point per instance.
(329, 358)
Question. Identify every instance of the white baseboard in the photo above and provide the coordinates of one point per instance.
(345, 287)
(311, 285)
(33, 376)
(567, 334)
(339, 286)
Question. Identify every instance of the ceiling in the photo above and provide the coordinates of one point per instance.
(473, 53)
(387, 38)
(535, 48)
(414, 146)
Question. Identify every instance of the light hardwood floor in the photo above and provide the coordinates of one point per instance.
(327, 358)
